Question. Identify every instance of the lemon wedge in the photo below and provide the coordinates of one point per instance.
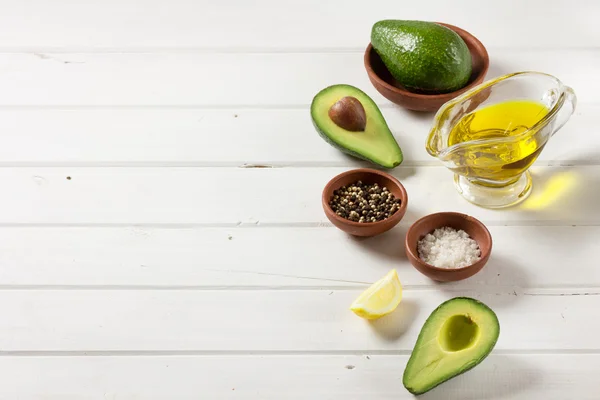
(380, 299)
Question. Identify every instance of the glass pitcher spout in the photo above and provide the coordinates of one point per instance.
(492, 134)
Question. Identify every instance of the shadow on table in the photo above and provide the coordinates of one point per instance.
(497, 68)
(501, 278)
(503, 271)
(426, 116)
(495, 378)
(392, 326)
(401, 172)
(389, 245)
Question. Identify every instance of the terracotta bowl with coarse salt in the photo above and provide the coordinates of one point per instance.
(473, 227)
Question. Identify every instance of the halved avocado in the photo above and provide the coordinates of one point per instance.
(350, 120)
(457, 336)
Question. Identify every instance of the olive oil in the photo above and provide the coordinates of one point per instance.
(518, 142)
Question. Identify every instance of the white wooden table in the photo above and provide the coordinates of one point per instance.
(143, 255)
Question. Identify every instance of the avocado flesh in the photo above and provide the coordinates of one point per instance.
(375, 144)
(457, 336)
(423, 56)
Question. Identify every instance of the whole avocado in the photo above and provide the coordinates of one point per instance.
(422, 56)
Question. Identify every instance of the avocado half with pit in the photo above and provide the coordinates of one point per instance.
(457, 336)
(350, 120)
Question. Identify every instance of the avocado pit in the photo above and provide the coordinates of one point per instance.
(348, 113)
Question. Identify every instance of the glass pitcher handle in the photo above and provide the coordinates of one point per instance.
(567, 109)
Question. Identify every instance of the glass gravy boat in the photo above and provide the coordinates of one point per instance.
(492, 171)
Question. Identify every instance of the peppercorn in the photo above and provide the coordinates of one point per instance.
(361, 202)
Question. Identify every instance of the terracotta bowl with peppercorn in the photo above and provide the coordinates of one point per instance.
(448, 246)
(364, 202)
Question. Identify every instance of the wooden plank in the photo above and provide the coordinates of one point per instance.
(507, 377)
(267, 258)
(224, 80)
(229, 137)
(238, 24)
(272, 320)
(254, 196)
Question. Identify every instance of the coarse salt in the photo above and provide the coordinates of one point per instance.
(448, 248)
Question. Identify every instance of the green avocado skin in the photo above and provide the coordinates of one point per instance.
(475, 304)
(388, 153)
(325, 137)
(422, 56)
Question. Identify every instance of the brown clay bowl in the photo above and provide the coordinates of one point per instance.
(370, 176)
(428, 224)
(393, 91)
